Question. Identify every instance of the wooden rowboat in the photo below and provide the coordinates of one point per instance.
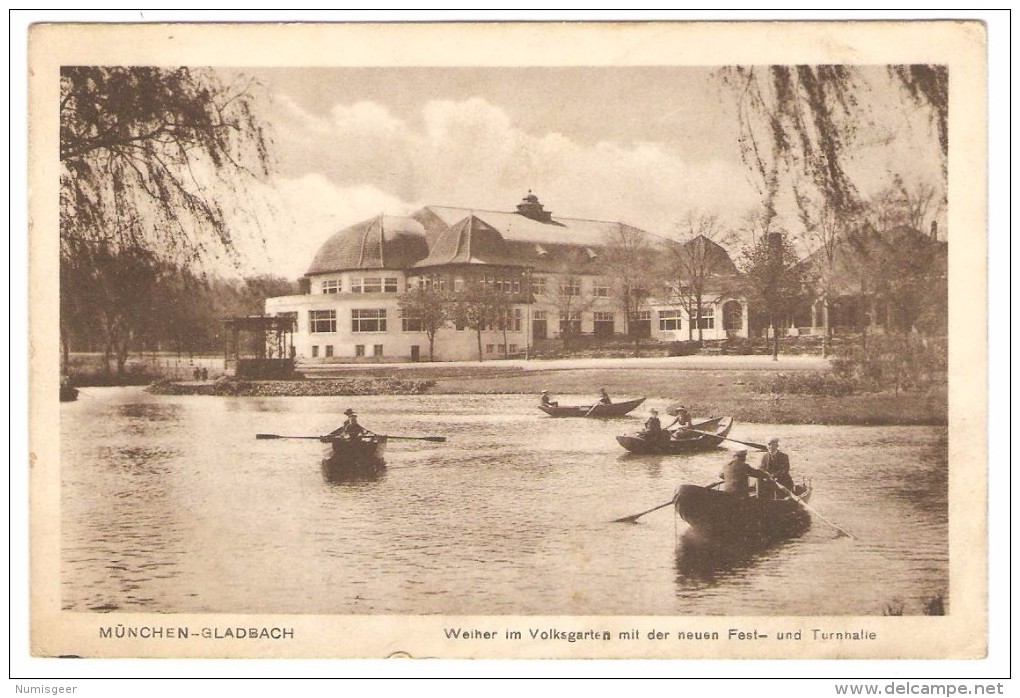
(351, 458)
(600, 410)
(714, 431)
(724, 515)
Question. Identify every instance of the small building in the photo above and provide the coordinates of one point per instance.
(553, 271)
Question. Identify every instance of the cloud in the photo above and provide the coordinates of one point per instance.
(470, 153)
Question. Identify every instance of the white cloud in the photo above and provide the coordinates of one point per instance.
(469, 153)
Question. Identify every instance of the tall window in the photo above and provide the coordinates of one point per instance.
(570, 323)
(570, 286)
(359, 349)
(601, 288)
(669, 320)
(390, 284)
(331, 286)
(368, 320)
(377, 350)
(604, 324)
(410, 324)
(538, 285)
(322, 321)
(458, 284)
(641, 323)
(329, 350)
(707, 321)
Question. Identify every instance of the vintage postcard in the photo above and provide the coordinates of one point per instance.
(650, 340)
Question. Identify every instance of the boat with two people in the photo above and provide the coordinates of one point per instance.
(601, 410)
(702, 435)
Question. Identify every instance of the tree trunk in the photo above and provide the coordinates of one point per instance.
(701, 336)
(432, 347)
(478, 332)
(825, 329)
(775, 338)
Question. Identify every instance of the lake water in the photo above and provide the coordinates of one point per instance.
(170, 504)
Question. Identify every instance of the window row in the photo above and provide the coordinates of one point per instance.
(501, 284)
(670, 319)
(359, 350)
(365, 284)
(362, 320)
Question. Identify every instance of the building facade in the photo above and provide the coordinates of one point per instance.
(554, 274)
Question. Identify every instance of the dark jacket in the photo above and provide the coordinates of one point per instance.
(778, 466)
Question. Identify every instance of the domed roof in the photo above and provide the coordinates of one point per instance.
(383, 242)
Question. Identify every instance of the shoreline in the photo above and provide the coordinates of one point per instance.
(727, 387)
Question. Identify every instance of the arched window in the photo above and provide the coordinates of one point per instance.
(733, 316)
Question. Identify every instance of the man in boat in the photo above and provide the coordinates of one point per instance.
(736, 473)
(546, 402)
(351, 429)
(683, 420)
(777, 464)
(653, 427)
(604, 398)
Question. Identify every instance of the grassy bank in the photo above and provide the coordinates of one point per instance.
(299, 388)
(712, 392)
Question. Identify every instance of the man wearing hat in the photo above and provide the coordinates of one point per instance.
(777, 464)
(350, 429)
(546, 402)
(604, 398)
(735, 474)
(653, 427)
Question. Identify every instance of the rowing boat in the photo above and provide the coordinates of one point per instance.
(345, 458)
(714, 432)
(601, 410)
(725, 515)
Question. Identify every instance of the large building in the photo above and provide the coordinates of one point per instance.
(554, 271)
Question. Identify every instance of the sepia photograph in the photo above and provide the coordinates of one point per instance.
(657, 340)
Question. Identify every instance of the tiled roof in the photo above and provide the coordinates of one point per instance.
(515, 227)
(469, 241)
(383, 242)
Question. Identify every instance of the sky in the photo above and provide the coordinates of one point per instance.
(647, 146)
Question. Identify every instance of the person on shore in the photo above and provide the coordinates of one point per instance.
(205, 373)
(350, 429)
(546, 402)
(777, 464)
(653, 427)
(604, 398)
(736, 474)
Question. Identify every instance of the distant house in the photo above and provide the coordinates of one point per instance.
(878, 281)
(553, 270)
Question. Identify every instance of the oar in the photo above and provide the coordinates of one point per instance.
(280, 436)
(634, 517)
(592, 409)
(436, 439)
(810, 509)
(760, 447)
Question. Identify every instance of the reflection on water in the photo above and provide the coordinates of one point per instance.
(170, 504)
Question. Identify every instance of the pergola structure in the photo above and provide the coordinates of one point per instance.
(259, 346)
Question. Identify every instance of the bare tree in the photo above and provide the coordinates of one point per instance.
(828, 235)
(479, 308)
(429, 307)
(570, 299)
(697, 263)
(630, 263)
(775, 280)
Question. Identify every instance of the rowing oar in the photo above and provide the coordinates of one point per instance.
(435, 439)
(810, 509)
(633, 518)
(760, 447)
